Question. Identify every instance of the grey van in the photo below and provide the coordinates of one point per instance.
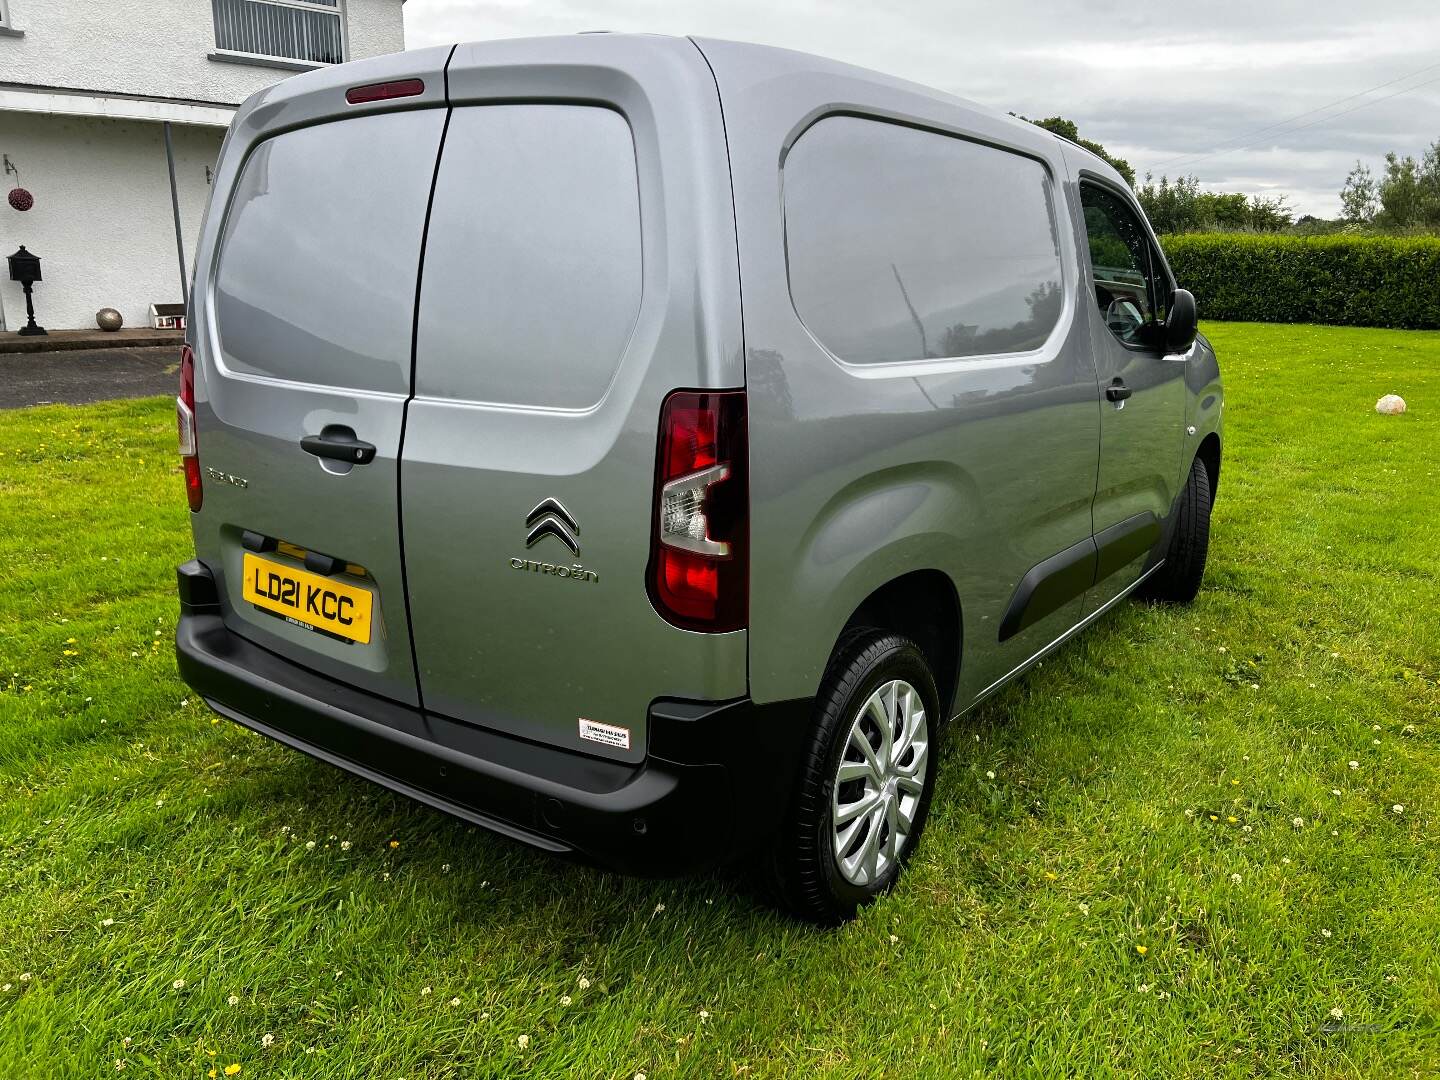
(641, 447)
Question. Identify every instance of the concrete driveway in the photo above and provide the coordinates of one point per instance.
(82, 376)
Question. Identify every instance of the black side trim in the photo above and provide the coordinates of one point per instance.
(1124, 542)
(1049, 586)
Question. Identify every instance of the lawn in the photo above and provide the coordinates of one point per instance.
(1196, 842)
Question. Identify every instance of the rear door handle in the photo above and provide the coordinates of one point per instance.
(339, 445)
(1117, 391)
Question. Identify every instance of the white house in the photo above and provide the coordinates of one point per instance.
(87, 90)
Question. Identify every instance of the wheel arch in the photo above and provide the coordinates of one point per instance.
(1208, 453)
(924, 606)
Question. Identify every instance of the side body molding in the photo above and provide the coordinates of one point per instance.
(1050, 585)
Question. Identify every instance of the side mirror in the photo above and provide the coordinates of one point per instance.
(1181, 325)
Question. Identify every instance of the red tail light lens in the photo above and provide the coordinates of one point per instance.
(185, 422)
(699, 560)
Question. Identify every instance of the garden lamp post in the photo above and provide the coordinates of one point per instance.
(25, 268)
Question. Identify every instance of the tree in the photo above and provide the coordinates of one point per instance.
(1181, 207)
(1359, 196)
(1400, 199)
(1066, 129)
(1405, 196)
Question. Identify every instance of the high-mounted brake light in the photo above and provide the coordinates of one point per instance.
(384, 91)
(185, 422)
(699, 559)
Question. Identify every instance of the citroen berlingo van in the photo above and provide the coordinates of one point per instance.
(642, 447)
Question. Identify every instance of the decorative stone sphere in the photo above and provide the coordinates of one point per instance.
(107, 318)
(1390, 405)
(21, 199)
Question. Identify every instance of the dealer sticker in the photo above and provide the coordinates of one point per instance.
(605, 734)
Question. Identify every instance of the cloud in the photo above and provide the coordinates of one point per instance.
(1168, 88)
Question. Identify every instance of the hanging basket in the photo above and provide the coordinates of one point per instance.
(21, 200)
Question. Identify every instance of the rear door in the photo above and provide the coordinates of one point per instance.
(306, 350)
(579, 266)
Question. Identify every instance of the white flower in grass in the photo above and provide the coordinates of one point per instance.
(309, 845)
(6, 988)
(1084, 909)
(107, 922)
(989, 774)
(25, 976)
(1234, 879)
(232, 1000)
(564, 999)
(266, 1041)
(1354, 764)
(1335, 791)
(425, 992)
(523, 1041)
(1398, 808)
(344, 845)
(584, 983)
(1325, 934)
(1337, 1013)
(178, 984)
(454, 1002)
(1298, 822)
(704, 1017)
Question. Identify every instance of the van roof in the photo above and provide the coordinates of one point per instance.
(627, 50)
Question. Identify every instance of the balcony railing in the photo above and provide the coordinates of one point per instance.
(292, 29)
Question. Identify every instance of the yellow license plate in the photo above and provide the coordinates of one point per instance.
(312, 600)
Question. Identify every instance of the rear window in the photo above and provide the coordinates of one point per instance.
(532, 272)
(317, 264)
(905, 244)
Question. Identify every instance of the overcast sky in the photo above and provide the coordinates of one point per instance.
(1158, 84)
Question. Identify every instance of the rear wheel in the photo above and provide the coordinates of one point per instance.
(1178, 580)
(865, 782)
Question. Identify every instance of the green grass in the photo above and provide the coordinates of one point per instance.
(142, 843)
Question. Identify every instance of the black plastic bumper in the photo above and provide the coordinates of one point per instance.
(714, 781)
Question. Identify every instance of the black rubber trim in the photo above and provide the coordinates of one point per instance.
(198, 594)
(1124, 542)
(1050, 585)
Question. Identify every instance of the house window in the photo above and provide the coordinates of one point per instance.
(304, 30)
(4, 13)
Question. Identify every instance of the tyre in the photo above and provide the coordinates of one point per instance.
(865, 782)
(1178, 580)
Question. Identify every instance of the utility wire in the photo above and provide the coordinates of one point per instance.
(1184, 162)
(1301, 116)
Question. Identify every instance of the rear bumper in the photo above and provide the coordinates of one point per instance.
(714, 781)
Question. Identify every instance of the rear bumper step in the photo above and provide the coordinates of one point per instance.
(715, 779)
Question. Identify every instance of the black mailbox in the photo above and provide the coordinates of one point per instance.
(25, 268)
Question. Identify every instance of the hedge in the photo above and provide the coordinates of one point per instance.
(1345, 280)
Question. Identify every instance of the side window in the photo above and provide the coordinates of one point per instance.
(904, 244)
(1130, 289)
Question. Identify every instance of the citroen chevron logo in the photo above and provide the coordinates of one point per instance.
(550, 518)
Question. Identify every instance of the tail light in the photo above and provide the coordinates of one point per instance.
(185, 421)
(699, 559)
